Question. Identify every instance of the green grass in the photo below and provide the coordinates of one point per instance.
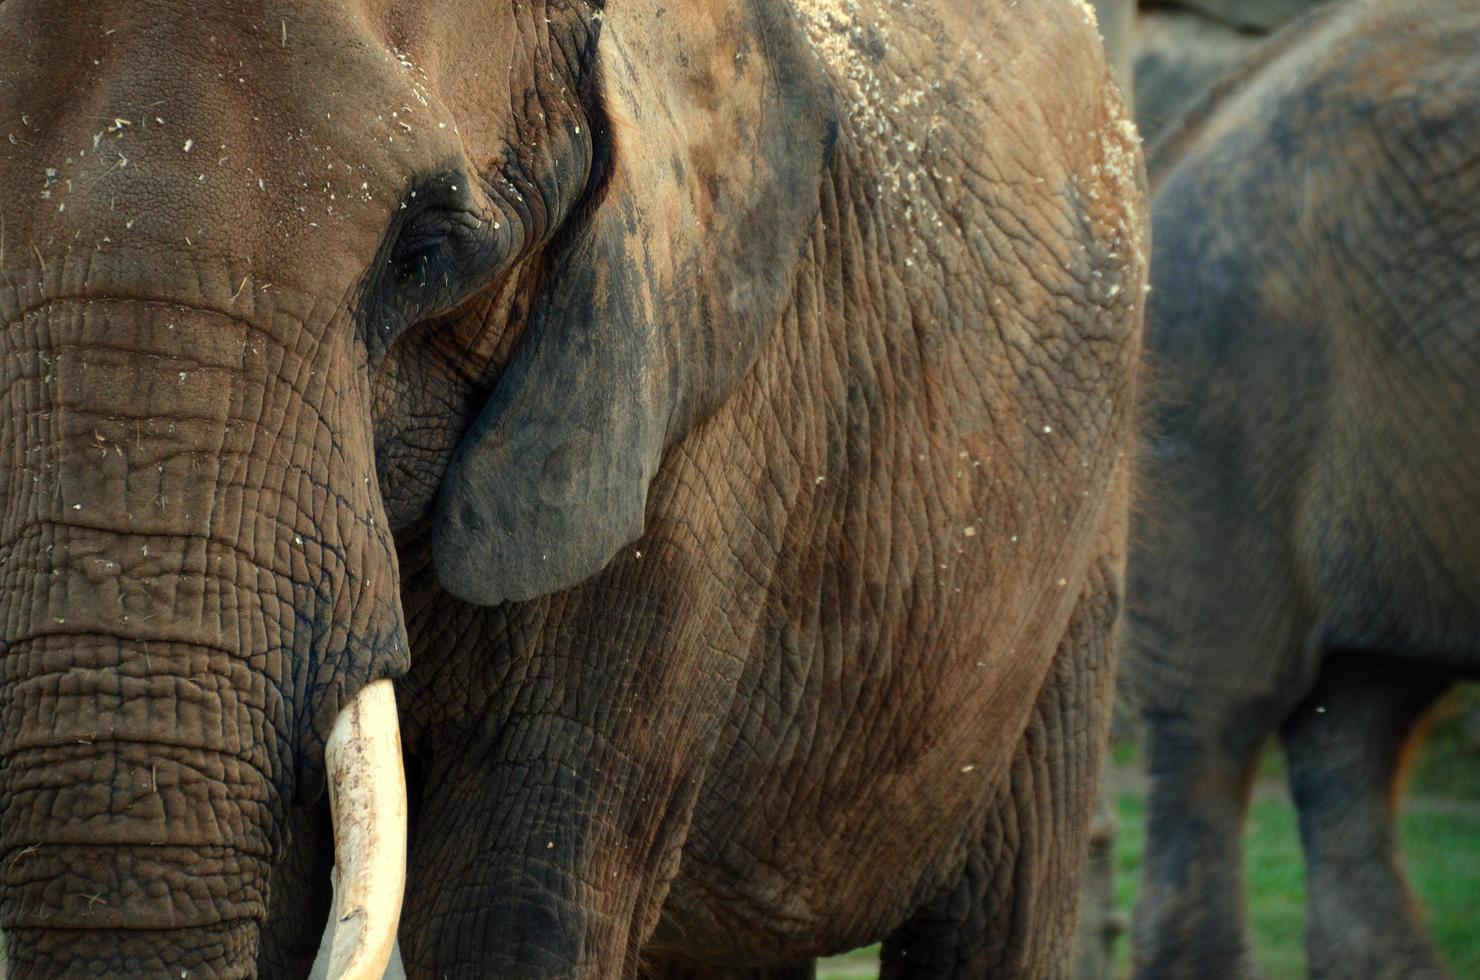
(1441, 848)
(861, 964)
(1448, 767)
(1443, 857)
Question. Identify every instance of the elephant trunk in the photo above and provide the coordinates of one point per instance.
(110, 931)
(224, 951)
(125, 850)
(200, 605)
(163, 865)
(156, 870)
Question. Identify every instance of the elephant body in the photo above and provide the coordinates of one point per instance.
(718, 421)
(1306, 564)
(801, 657)
(1182, 48)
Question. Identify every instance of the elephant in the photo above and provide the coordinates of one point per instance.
(612, 488)
(1117, 22)
(1186, 46)
(1305, 563)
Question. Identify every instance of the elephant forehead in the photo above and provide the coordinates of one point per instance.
(255, 132)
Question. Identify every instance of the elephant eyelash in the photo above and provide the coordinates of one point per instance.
(436, 238)
(437, 253)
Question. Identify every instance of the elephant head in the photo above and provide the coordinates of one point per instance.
(286, 285)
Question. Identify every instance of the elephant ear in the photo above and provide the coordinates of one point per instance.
(657, 305)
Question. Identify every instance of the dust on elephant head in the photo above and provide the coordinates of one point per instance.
(281, 282)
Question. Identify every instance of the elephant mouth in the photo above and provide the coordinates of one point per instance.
(367, 794)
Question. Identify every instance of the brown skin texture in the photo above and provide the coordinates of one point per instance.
(844, 307)
(1305, 566)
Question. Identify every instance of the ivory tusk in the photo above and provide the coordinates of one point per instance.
(367, 794)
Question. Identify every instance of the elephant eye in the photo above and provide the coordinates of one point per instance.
(437, 253)
(432, 246)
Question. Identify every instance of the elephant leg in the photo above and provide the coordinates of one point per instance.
(512, 870)
(1101, 924)
(1190, 912)
(671, 969)
(1011, 910)
(1348, 745)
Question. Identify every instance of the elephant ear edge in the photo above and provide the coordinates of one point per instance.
(657, 305)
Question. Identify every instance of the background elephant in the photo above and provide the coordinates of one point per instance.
(1306, 563)
(1183, 46)
(716, 418)
(1117, 20)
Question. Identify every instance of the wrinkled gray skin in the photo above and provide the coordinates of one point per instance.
(1306, 562)
(1186, 45)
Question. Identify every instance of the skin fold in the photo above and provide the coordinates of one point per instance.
(716, 418)
(1305, 566)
